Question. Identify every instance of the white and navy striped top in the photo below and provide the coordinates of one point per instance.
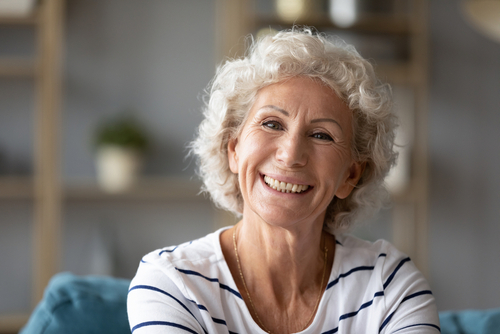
(372, 288)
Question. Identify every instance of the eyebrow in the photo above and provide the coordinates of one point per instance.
(284, 112)
(317, 120)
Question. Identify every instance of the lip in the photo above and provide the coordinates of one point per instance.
(287, 180)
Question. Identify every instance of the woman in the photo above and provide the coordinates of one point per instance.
(297, 139)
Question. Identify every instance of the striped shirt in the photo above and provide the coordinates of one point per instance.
(372, 288)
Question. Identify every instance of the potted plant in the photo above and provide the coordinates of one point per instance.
(120, 144)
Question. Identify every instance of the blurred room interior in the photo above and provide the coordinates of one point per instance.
(72, 71)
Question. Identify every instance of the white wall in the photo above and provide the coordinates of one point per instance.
(464, 140)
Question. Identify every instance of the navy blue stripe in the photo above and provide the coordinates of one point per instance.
(163, 323)
(219, 321)
(215, 280)
(361, 268)
(352, 314)
(338, 242)
(389, 280)
(416, 294)
(386, 321)
(168, 250)
(201, 307)
(335, 281)
(148, 287)
(365, 305)
(415, 325)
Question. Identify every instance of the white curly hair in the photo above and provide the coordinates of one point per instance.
(287, 54)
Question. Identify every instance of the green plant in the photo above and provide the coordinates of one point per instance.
(124, 131)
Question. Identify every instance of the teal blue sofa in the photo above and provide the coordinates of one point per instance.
(81, 304)
(98, 305)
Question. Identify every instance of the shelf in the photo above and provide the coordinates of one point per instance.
(12, 323)
(373, 24)
(148, 188)
(17, 67)
(16, 188)
(31, 19)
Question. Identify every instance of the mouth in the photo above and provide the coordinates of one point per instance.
(285, 187)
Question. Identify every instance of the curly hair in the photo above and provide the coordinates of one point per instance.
(287, 54)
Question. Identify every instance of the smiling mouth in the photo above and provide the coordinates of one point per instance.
(285, 187)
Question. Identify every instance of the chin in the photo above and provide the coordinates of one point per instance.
(287, 218)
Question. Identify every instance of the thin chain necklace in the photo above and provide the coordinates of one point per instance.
(250, 299)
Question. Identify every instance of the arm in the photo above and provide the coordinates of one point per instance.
(409, 301)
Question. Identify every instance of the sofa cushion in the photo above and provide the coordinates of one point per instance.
(470, 322)
(81, 304)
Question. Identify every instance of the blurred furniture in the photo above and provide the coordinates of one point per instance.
(81, 304)
(470, 322)
(43, 186)
(97, 305)
(393, 35)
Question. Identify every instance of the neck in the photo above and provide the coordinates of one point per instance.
(284, 269)
(288, 259)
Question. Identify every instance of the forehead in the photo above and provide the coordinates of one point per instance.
(303, 96)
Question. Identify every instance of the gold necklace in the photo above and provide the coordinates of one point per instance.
(250, 299)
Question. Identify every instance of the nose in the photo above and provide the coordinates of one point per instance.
(292, 151)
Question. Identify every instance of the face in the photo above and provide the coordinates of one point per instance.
(293, 154)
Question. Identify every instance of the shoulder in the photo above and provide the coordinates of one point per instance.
(386, 263)
(178, 284)
(195, 252)
(381, 254)
(391, 281)
(201, 257)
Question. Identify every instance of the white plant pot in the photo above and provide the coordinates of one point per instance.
(117, 168)
(16, 7)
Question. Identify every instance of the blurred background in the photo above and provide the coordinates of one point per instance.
(99, 99)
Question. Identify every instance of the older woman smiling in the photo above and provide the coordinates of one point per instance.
(297, 139)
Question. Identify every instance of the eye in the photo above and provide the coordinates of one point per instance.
(322, 136)
(273, 125)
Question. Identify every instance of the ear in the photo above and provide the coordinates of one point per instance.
(354, 174)
(232, 155)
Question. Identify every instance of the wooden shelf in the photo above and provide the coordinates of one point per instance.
(12, 323)
(16, 188)
(148, 188)
(31, 19)
(17, 67)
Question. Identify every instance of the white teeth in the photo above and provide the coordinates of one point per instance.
(285, 187)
